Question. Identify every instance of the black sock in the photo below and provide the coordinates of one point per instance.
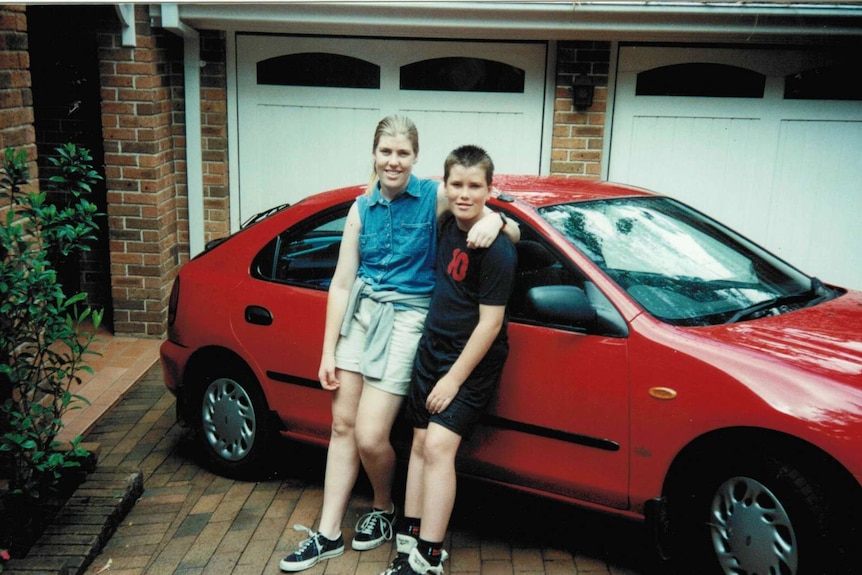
(411, 526)
(432, 552)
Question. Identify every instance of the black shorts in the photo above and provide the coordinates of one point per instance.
(465, 410)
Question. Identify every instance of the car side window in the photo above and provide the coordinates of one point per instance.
(305, 254)
(537, 266)
(541, 266)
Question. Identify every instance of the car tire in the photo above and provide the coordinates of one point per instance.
(754, 514)
(235, 431)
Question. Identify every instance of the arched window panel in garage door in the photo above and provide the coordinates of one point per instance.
(319, 70)
(828, 83)
(705, 80)
(293, 113)
(462, 74)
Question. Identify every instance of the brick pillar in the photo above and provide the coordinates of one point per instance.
(16, 97)
(576, 150)
(214, 135)
(16, 118)
(145, 171)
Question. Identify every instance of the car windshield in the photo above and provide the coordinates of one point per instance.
(681, 266)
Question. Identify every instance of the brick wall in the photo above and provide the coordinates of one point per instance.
(576, 150)
(214, 136)
(16, 97)
(145, 174)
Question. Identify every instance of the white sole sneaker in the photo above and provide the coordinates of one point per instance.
(292, 566)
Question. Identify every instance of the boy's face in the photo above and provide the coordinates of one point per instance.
(467, 192)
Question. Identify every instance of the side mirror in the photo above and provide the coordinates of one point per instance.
(562, 305)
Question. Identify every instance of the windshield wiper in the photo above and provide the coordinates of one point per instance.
(807, 296)
(263, 215)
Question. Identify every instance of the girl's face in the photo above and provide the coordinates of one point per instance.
(393, 161)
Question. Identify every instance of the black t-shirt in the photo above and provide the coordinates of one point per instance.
(466, 278)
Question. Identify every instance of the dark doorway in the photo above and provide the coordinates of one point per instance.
(64, 66)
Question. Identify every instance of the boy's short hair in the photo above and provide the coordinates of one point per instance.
(469, 156)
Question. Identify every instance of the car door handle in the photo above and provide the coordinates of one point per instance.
(258, 315)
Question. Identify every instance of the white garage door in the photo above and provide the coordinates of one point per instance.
(768, 141)
(308, 107)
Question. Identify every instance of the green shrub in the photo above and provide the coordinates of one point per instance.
(44, 334)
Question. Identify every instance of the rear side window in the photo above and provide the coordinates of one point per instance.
(305, 254)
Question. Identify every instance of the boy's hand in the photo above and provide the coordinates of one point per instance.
(326, 374)
(442, 395)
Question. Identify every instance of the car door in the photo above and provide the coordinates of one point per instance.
(282, 325)
(559, 421)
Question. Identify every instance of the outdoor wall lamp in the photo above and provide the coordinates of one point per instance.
(583, 90)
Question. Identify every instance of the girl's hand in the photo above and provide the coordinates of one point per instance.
(326, 374)
(485, 231)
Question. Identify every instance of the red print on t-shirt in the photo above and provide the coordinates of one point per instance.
(457, 268)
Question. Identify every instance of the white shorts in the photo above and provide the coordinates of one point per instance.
(406, 332)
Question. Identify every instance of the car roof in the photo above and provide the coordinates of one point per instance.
(536, 191)
(549, 190)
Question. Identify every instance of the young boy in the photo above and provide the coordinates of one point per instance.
(458, 362)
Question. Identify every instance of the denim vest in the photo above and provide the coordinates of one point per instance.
(398, 241)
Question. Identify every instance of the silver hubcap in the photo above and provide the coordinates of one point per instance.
(229, 423)
(751, 531)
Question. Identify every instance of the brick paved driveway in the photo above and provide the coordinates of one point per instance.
(190, 521)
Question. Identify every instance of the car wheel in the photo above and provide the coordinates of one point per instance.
(751, 529)
(754, 515)
(234, 428)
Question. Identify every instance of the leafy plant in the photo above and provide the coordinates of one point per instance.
(44, 334)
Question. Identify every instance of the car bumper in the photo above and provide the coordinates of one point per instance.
(174, 358)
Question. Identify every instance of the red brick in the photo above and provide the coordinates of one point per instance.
(585, 156)
(567, 167)
(136, 68)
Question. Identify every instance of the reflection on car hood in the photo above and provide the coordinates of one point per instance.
(825, 339)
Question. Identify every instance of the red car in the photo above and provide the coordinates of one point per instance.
(662, 368)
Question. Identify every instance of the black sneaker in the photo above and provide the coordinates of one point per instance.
(404, 544)
(311, 550)
(373, 529)
(399, 566)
